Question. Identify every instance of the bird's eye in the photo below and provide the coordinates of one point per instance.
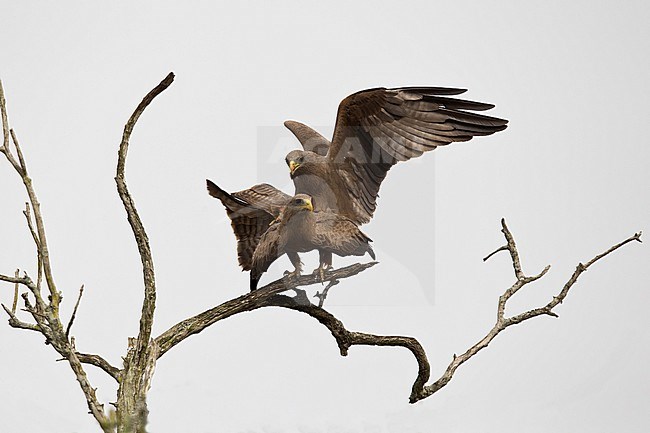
(300, 160)
(299, 201)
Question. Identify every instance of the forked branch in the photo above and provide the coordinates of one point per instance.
(504, 322)
(45, 312)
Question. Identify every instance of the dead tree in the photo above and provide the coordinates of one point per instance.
(135, 375)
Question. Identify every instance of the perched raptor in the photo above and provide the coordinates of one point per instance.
(374, 130)
(263, 215)
(251, 211)
(300, 229)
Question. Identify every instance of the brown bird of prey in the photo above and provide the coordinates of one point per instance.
(299, 229)
(375, 129)
(269, 223)
(251, 211)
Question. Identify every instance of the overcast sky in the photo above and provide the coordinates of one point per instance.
(570, 175)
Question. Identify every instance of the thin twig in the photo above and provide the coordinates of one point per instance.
(27, 282)
(5, 132)
(5, 121)
(19, 152)
(322, 296)
(99, 362)
(24, 280)
(74, 312)
(15, 303)
(512, 248)
(502, 248)
(14, 322)
(28, 216)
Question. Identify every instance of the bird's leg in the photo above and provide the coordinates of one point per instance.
(325, 264)
(297, 264)
(321, 269)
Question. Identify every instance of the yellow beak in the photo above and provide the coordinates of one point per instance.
(292, 166)
(309, 206)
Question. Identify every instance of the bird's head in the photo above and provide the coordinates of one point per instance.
(298, 158)
(295, 159)
(301, 202)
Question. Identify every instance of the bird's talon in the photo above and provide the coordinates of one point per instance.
(320, 273)
(292, 275)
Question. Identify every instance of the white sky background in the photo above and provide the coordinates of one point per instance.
(570, 174)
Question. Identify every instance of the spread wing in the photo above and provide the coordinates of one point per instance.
(310, 139)
(341, 236)
(250, 212)
(377, 128)
(265, 197)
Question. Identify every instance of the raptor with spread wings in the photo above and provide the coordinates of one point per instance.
(375, 129)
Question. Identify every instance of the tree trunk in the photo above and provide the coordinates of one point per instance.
(135, 381)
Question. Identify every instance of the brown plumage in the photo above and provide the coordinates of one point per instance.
(375, 129)
(269, 223)
(300, 229)
(250, 212)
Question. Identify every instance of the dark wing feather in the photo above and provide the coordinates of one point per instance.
(377, 128)
(250, 212)
(311, 140)
(265, 197)
(268, 250)
(339, 235)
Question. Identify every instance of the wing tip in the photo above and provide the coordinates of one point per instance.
(431, 90)
(290, 123)
(371, 252)
(225, 197)
(213, 189)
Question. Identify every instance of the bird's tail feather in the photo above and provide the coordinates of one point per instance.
(371, 252)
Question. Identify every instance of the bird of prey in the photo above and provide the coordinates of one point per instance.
(269, 223)
(375, 129)
(300, 229)
(251, 211)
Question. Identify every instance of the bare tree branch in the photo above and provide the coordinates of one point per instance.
(100, 362)
(149, 303)
(19, 152)
(501, 248)
(45, 314)
(502, 321)
(74, 312)
(39, 258)
(5, 121)
(16, 285)
(248, 302)
(323, 295)
(345, 339)
(21, 169)
(15, 323)
(139, 363)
